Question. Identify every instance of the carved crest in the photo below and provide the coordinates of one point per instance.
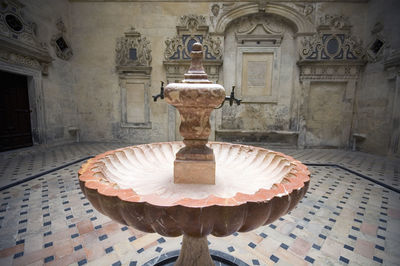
(191, 29)
(332, 42)
(133, 50)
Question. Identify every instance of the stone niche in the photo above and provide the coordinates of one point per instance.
(258, 47)
(330, 64)
(133, 59)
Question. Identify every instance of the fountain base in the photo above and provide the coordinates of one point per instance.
(194, 172)
(194, 252)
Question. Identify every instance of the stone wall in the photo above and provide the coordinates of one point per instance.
(378, 101)
(56, 82)
(306, 101)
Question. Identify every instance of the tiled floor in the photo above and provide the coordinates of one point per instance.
(344, 219)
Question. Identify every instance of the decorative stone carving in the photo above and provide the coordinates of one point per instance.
(18, 42)
(133, 63)
(377, 45)
(306, 9)
(60, 43)
(331, 46)
(215, 10)
(334, 22)
(300, 15)
(260, 30)
(191, 29)
(332, 52)
(133, 53)
(20, 59)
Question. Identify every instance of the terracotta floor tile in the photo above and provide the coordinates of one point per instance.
(11, 251)
(85, 227)
(369, 229)
(300, 247)
(365, 248)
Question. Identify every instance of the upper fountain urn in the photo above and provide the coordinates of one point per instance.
(195, 98)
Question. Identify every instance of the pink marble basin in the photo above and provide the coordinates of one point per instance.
(134, 186)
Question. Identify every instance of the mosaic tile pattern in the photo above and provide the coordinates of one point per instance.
(343, 220)
(19, 164)
(382, 169)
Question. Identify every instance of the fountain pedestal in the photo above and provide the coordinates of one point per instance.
(195, 98)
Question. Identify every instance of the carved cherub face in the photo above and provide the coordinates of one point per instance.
(215, 10)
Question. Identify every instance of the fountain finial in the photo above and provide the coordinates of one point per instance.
(195, 98)
(196, 73)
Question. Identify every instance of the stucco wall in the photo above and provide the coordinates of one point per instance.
(96, 27)
(58, 86)
(376, 93)
(85, 91)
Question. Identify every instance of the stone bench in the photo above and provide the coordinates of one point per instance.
(274, 137)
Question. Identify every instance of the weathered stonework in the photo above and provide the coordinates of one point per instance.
(59, 42)
(133, 63)
(89, 91)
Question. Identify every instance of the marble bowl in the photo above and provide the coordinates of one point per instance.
(134, 186)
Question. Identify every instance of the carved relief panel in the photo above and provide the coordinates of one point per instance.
(18, 42)
(330, 64)
(191, 29)
(133, 60)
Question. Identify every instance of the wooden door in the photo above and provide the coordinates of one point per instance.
(15, 121)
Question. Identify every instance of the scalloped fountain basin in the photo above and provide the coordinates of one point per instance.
(144, 173)
(134, 186)
(148, 169)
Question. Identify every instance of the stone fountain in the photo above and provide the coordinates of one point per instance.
(194, 188)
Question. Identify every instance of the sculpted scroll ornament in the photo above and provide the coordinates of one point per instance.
(332, 41)
(248, 24)
(191, 29)
(133, 50)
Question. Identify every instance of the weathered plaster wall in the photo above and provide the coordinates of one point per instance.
(376, 94)
(58, 86)
(85, 91)
(96, 27)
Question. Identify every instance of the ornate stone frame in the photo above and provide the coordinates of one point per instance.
(64, 54)
(315, 66)
(134, 68)
(36, 98)
(126, 79)
(301, 20)
(273, 98)
(21, 47)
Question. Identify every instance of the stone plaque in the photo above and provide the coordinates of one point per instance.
(135, 98)
(257, 74)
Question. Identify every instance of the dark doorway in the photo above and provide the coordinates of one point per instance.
(15, 121)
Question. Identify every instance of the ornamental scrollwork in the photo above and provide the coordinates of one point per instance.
(191, 29)
(332, 42)
(133, 50)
